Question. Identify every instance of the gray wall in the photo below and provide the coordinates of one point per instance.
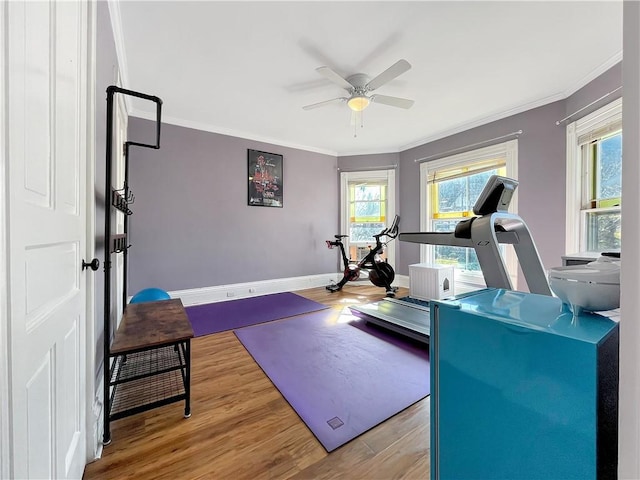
(368, 162)
(541, 195)
(192, 227)
(599, 87)
(541, 168)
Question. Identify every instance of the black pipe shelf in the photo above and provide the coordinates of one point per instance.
(147, 366)
(122, 202)
(119, 243)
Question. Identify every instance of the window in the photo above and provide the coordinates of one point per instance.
(450, 187)
(367, 210)
(594, 181)
(368, 206)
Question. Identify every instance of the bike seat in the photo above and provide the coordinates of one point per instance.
(341, 236)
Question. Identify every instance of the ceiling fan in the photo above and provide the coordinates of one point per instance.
(359, 87)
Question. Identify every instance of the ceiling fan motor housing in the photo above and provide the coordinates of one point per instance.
(359, 81)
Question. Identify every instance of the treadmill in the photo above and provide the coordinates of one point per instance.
(492, 225)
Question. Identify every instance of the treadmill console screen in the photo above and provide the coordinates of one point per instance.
(495, 196)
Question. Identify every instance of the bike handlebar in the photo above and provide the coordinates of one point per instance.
(391, 232)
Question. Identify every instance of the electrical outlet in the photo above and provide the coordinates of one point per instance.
(252, 290)
(230, 294)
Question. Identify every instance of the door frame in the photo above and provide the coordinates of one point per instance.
(4, 282)
(92, 402)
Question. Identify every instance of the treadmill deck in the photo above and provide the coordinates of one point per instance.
(406, 318)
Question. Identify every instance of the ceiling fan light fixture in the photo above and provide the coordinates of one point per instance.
(358, 103)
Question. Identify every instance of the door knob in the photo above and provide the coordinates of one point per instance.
(93, 265)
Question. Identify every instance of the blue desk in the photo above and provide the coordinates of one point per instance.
(522, 390)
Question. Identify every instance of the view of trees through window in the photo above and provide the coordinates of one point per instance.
(608, 184)
(367, 211)
(603, 224)
(454, 201)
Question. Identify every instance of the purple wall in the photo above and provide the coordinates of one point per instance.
(368, 162)
(192, 227)
(541, 150)
(599, 87)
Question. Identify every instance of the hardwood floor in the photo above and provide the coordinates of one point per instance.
(242, 428)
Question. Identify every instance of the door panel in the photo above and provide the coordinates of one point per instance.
(42, 263)
(39, 406)
(47, 118)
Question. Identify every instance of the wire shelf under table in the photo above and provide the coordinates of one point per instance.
(148, 379)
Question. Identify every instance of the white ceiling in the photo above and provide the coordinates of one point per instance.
(247, 68)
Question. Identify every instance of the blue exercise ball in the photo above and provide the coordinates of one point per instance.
(150, 295)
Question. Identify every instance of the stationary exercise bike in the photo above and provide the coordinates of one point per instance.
(381, 274)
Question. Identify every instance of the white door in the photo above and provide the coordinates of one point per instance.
(46, 95)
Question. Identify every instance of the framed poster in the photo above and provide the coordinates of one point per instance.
(265, 178)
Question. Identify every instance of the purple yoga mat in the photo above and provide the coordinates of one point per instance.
(221, 316)
(341, 380)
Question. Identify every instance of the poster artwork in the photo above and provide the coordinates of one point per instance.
(265, 179)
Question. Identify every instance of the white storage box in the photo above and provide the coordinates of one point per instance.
(430, 282)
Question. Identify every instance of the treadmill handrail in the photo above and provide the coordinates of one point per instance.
(448, 238)
(486, 232)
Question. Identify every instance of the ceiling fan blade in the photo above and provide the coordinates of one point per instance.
(334, 77)
(392, 101)
(326, 102)
(389, 74)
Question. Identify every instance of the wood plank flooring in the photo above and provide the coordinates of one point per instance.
(242, 428)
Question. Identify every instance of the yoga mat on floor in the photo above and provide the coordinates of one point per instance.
(341, 380)
(221, 316)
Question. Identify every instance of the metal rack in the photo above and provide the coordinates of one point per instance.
(147, 379)
(147, 360)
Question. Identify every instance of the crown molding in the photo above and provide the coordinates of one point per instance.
(593, 74)
(229, 132)
(118, 38)
(485, 120)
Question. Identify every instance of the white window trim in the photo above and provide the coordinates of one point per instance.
(345, 178)
(507, 150)
(576, 183)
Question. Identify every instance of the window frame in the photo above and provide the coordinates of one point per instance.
(363, 176)
(506, 150)
(577, 172)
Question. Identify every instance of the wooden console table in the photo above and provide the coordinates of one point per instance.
(151, 354)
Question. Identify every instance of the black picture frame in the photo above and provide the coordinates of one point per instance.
(265, 173)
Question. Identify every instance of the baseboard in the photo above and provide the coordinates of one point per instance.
(401, 281)
(220, 293)
(97, 423)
